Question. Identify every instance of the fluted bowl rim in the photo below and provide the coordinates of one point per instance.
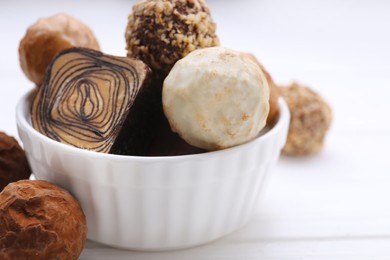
(23, 119)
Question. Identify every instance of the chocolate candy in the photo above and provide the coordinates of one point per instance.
(13, 161)
(311, 117)
(39, 220)
(97, 102)
(47, 37)
(162, 32)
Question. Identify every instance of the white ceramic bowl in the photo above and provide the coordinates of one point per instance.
(158, 203)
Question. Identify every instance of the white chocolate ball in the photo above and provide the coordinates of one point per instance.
(216, 98)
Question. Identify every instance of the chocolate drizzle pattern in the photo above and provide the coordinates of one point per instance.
(85, 98)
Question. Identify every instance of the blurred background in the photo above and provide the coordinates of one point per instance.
(328, 45)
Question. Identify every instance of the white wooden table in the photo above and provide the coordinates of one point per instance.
(333, 205)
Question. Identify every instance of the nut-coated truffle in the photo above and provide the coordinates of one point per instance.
(47, 37)
(216, 98)
(160, 32)
(13, 161)
(40, 220)
(311, 117)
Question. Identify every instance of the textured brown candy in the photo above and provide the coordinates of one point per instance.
(39, 220)
(48, 36)
(160, 32)
(273, 92)
(310, 120)
(97, 102)
(13, 162)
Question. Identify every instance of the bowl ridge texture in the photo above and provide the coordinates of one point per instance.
(158, 203)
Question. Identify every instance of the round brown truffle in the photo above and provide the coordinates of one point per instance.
(160, 32)
(13, 162)
(39, 220)
(273, 92)
(47, 37)
(310, 120)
